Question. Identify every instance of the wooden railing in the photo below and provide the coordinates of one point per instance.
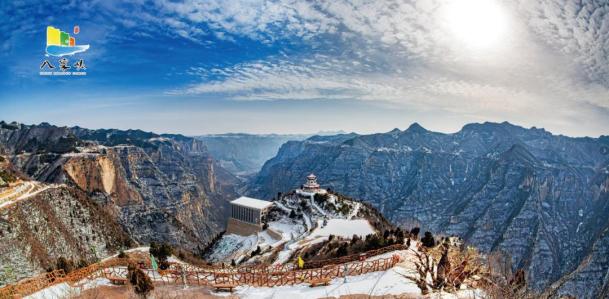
(31, 285)
(266, 278)
(177, 273)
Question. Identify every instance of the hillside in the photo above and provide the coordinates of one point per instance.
(540, 199)
(48, 222)
(314, 228)
(164, 188)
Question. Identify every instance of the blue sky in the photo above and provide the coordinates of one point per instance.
(290, 66)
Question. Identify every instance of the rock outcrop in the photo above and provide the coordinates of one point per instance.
(541, 199)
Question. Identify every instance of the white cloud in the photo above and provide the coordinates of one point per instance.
(579, 29)
(259, 19)
(551, 62)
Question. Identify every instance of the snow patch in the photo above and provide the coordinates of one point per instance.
(376, 284)
(344, 228)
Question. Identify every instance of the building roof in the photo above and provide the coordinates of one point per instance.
(252, 202)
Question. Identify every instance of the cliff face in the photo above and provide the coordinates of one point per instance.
(57, 222)
(541, 199)
(164, 188)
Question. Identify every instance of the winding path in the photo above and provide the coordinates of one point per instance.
(22, 190)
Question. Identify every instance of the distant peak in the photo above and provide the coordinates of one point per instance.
(394, 131)
(489, 126)
(416, 128)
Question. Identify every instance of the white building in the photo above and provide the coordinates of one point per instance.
(249, 210)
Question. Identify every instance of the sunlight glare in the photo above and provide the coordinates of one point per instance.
(477, 24)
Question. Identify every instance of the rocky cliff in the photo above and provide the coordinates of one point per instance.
(539, 198)
(163, 188)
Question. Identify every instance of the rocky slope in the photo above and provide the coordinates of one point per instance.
(541, 199)
(158, 187)
(57, 222)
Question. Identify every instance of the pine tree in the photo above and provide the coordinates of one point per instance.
(428, 240)
(415, 232)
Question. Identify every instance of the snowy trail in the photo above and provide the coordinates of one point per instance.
(314, 204)
(307, 220)
(281, 206)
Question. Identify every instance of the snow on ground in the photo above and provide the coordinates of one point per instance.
(232, 246)
(337, 227)
(314, 204)
(281, 206)
(61, 290)
(355, 210)
(376, 284)
(93, 283)
(344, 228)
(64, 290)
(290, 233)
(307, 220)
(265, 239)
(390, 282)
(288, 230)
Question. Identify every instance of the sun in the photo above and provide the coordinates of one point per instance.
(478, 24)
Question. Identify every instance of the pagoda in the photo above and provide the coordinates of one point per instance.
(311, 187)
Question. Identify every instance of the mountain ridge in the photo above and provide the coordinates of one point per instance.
(527, 192)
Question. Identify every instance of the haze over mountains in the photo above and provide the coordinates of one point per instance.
(244, 154)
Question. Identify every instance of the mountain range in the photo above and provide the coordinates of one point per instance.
(539, 200)
(535, 200)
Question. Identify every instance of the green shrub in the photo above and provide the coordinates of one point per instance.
(161, 253)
